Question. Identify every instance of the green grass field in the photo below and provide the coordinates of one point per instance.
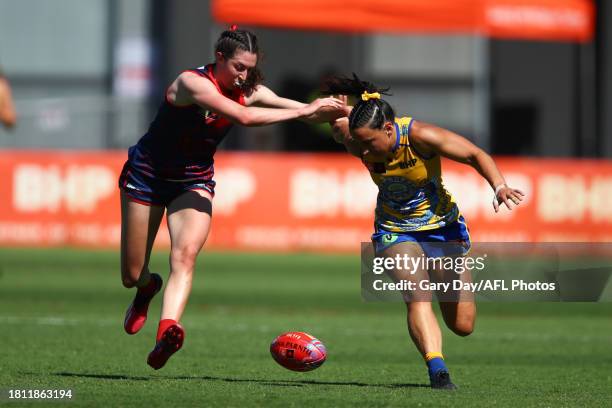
(62, 311)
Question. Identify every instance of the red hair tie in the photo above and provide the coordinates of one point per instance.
(233, 27)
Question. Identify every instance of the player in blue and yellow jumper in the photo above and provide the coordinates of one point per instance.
(415, 214)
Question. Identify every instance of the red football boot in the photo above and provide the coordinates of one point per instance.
(136, 315)
(171, 342)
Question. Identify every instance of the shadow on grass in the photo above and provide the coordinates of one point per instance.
(276, 383)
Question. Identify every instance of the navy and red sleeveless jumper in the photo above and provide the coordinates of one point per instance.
(176, 153)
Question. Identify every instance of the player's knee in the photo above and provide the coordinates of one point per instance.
(463, 327)
(184, 257)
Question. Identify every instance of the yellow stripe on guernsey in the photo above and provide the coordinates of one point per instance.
(411, 196)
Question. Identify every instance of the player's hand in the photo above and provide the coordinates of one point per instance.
(505, 194)
(330, 114)
(347, 108)
(328, 105)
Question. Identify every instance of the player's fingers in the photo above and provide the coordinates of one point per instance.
(495, 204)
(517, 197)
(336, 103)
(328, 103)
(505, 199)
(516, 190)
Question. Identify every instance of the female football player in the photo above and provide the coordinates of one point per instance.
(171, 168)
(415, 215)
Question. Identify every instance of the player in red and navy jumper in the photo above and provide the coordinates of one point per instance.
(171, 170)
(176, 154)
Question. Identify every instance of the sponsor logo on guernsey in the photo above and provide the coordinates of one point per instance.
(407, 164)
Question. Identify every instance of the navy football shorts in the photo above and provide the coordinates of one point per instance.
(451, 240)
(145, 189)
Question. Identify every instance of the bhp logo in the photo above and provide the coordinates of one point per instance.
(53, 188)
(329, 193)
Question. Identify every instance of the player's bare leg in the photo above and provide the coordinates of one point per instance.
(460, 316)
(189, 218)
(422, 323)
(139, 225)
(459, 307)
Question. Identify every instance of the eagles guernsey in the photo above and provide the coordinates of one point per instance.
(182, 140)
(411, 196)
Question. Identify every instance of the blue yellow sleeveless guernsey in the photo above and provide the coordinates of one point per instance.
(411, 196)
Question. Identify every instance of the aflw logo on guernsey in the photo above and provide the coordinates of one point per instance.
(209, 116)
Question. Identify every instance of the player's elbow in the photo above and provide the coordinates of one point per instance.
(246, 118)
(475, 156)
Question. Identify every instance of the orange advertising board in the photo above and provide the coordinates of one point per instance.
(289, 202)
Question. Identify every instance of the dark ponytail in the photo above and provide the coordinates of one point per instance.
(373, 112)
(233, 39)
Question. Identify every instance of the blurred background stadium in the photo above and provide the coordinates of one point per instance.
(89, 73)
(529, 81)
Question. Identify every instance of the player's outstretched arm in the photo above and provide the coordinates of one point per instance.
(264, 96)
(190, 88)
(429, 139)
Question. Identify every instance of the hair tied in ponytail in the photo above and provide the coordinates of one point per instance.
(366, 96)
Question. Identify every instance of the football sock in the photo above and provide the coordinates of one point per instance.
(163, 325)
(435, 362)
